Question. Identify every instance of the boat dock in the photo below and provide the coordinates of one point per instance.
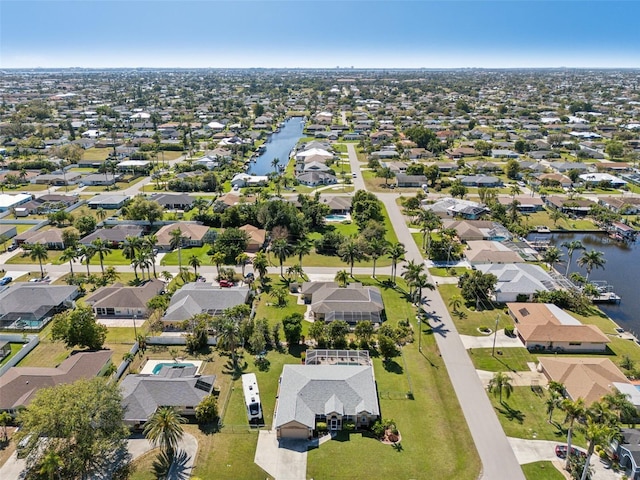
(607, 295)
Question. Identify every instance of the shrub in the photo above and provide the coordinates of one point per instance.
(508, 331)
(321, 426)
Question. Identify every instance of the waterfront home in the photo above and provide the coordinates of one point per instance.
(629, 205)
(489, 251)
(542, 326)
(595, 179)
(526, 203)
(573, 206)
(466, 209)
(333, 394)
(517, 281)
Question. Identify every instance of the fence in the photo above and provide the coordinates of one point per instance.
(175, 340)
(30, 345)
(124, 364)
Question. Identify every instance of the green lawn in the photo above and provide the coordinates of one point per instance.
(119, 185)
(542, 218)
(510, 359)
(96, 153)
(524, 415)
(15, 348)
(467, 320)
(541, 471)
(171, 258)
(447, 272)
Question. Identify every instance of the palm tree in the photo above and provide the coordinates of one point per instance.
(515, 190)
(194, 261)
(87, 252)
(302, 247)
(102, 250)
(342, 277)
(428, 221)
(70, 254)
(352, 251)
(600, 428)
(500, 383)
(51, 465)
(555, 215)
(242, 259)
(571, 247)
(218, 260)
(176, 242)
(553, 401)
(150, 242)
(143, 261)
(412, 271)
(38, 252)
(455, 303)
(281, 249)
(111, 274)
(101, 214)
(591, 259)
(376, 248)
(422, 281)
(395, 252)
(164, 429)
(130, 248)
(573, 409)
(620, 404)
(552, 256)
(166, 275)
(260, 264)
(5, 419)
(274, 164)
(229, 337)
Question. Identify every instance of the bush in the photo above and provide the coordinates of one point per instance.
(321, 426)
(348, 426)
(508, 331)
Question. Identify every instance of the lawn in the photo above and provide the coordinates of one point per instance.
(96, 154)
(524, 415)
(467, 320)
(171, 258)
(47, 353)
(510, 359)
(447, 272)
(15, 348)
(541, 471)
(119, 185)
(542, 218)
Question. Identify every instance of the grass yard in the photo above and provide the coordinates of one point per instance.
(447, 272)
(171, 258)
(524, 415)
(15, 348)
(468, 321)
(96, 153)
(542, 218)
(541, 471)
(511, 359)
(119, 185)
(47, 353)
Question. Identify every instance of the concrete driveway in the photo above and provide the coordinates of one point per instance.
(282, 459)
(486, 341)
(518, 379)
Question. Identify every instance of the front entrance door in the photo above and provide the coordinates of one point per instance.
(334, 423)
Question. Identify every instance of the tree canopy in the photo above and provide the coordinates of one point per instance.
(78, 327)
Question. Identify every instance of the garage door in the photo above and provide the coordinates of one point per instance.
(294, 432)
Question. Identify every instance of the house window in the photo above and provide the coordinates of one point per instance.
(575, 344)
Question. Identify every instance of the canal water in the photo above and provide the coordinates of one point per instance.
(279, 145)
(621, 270)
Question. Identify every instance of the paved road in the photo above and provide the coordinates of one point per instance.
(498, 460)
(358, 181)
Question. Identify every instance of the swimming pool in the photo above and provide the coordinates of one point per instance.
(337, 218)
(160, 366)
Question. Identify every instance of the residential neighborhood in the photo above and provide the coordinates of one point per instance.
(430, 272)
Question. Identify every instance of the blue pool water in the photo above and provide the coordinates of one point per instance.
(336, 218)
(158, 367)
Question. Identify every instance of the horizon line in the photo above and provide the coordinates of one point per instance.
(562, 67)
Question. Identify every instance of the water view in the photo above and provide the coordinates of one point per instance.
(279, 145)
(621, 271)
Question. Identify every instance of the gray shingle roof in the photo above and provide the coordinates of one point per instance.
(32, 301)
(310, 390)
(194, 298)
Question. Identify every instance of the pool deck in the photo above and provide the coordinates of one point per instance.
(151, 364)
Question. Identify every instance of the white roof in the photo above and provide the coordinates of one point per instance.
(134, 163)
(8, 201)
(141, 115)
(630, 391)
(215, 125)
(314, 151)
(601, 177)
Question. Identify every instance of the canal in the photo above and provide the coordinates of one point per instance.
(279, 145)
(621, 270)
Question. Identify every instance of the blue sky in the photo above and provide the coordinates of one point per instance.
(319, 33)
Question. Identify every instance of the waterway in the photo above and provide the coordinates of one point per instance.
(279, 145)
(621, 270)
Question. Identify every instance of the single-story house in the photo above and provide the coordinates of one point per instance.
(246, 180)
(32, 305)
(52, 238)
(526, 203)
(108, 202)
(619, 204)
(410, 181)
(257, 238)
(173, 201)
(194, 298)
(516, 280)
(564, 167)
(8, 231)
(313, 151)
(574, 206)
(350, 304)
(5, 349)
(135, 166)
(19, 384)
(115, 236)
(589, 378)
(552, 179)
(122, 301)
(504, 153)
(180, 388)
(490, 251)
(466, 209)
(472, 230)
(334, 394)
(313, 179)
(542, 326)
(100, 179)
(49, 203)
(338, 205)
(193, 232)
(596, 178)
(480, 181)
(57, 178)
(10, 201)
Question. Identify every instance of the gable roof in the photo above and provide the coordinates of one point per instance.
(120, 296)
(310, 390)
(19, 384)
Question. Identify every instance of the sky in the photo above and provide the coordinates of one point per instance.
(319, 33)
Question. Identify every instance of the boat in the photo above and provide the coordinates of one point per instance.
(542, 229)
(251, 396)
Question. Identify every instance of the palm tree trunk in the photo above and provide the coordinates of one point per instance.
(41, 269)
(71, 267)
(374, 267)
(566, 273)
(102, 266)
(88, 272)
(585, 470)
(153, 262)
(569, 435)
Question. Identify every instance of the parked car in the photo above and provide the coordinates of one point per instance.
(561, 451)
(249, 277)
(5, 281)
(225, 283)
(12, 247)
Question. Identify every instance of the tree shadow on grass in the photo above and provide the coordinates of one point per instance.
(235, 370)
(392, 366)
(511, 414)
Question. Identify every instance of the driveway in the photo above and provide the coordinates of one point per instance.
(282, 459)
(518, 379)
(486, 341)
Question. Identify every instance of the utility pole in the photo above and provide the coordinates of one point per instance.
(495, 334)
